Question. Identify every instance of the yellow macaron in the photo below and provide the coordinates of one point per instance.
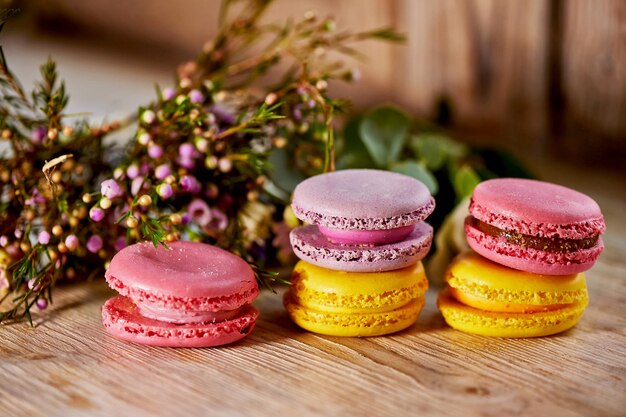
(341, 303)
(486, 298)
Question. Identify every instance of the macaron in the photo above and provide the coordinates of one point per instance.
(535, 226)
(359, 304)
(489, 299)
(187, 295)
(362, 220)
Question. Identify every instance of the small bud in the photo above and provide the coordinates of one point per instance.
(42, 304)
(56, 177)
(252, 195)
(279, 142)
(71, 242)
(73, 221)
(176, 218)
(61, 247)
(52, 134)
(145, 200)
(225, 165)
(144, 138)
(86, 198)
(148, 116)
(57, 230)
(70, 273)
(105, 203)
(321, 85)
(7, 134)
(25, 246)
(211, 162)
(271, 99)
(68, 130)
(53, 255)
(170, 179)
(132, 222)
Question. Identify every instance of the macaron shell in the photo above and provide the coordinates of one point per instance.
(310, 245)
(536, 208)
(514, 325)
(362, 199)
(532, 260)
(480, 278)
(323, 289)
(122, 320)
(188, 275)
(354, 324)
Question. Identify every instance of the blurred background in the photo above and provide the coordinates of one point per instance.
(539, 78)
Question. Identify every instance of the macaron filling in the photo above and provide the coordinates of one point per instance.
(366, 237)
(499, 306)
(154, 312)
(553, 244)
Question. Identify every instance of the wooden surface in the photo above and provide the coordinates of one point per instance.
(69, 366)
(532, 74)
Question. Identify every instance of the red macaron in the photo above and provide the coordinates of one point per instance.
(189, 295)
(535, 226)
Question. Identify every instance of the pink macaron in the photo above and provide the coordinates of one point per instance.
(362, 220)
(190, 295)
(535, 226)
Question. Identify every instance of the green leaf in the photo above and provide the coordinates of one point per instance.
(353, 153)
(384, 132)
(436, 149)
(465, 180)
(283, 176)
(419, 172)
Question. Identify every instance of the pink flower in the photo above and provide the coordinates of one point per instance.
(190, 183)
(155, 151)
(196, 96)
(136, 185)
(38, 134)
(186, 150)
(94, 243)
(200, 212)
(165, 191)
(35, 199)
(168, 93)
(96, 214)
(132, 171)
(162, 171)
(44, 237)
(219, 221)
(111, 189)
(120, 243)
(71, 241)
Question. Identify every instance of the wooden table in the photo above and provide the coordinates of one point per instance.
(68, 365)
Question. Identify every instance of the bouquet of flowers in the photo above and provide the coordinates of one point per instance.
(202, 162)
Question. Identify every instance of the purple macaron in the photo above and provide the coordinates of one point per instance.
(362, 220)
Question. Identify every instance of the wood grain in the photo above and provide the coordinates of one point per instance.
(594, 78)
(68, 365)
(486, 58)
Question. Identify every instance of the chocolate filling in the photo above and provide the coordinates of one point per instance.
(548, 244)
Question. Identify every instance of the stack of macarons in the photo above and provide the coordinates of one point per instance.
(187, 295)
(360, 272)
(533, 241)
